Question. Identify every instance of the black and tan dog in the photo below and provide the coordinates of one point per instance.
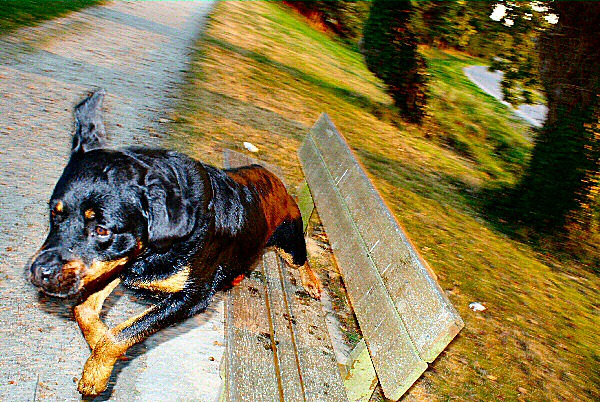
(159, 221)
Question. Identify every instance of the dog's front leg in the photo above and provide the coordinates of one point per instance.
(87, 314)
(117, 340)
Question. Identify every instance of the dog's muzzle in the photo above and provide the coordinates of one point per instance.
(54, 275)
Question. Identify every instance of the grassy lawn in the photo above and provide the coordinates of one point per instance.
(17, 13)
(262, 75)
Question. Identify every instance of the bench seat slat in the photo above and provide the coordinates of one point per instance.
(282, 331)
(278, 346)
(318, 366)
(251, 374)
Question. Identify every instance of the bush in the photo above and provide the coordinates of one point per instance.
(344, 17)
(390, 48)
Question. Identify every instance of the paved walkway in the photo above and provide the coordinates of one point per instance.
(489, 82)
(137, 52)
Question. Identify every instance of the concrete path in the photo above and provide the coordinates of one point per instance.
(137, 52)
(489, 82)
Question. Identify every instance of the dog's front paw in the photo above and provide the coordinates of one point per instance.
(87, 387)
(95, 377)
(311, 282)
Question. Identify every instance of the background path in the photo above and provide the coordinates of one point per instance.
(489, 82)
(137, 51)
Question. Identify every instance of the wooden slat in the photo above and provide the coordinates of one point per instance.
(287, 360)
(318, 366)
(361, 379)
(251, 373)
(302, 365)
(389, 285)
(378, 322)
(429, 316)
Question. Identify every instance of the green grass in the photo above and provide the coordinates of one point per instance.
(263, 75)
(18, 13)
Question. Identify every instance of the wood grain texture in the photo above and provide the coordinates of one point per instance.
(318, 367)
(395, 295)
(283, 336)
(251, 372)
(278, 347)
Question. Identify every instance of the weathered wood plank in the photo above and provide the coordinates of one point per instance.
(431, 320)
(303, 366)
(361, 379)
(318, 367)
(251, 372)
(392, 289)
(394, 355)
(283, 335)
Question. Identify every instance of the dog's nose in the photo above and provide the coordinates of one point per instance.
(45, 273)
(44, 268)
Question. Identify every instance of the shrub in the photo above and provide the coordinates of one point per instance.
(390, 48)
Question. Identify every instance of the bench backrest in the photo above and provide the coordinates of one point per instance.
(404, 315)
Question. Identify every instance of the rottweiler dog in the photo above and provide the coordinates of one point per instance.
(158, 221)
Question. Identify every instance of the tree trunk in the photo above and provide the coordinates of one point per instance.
(565, 159)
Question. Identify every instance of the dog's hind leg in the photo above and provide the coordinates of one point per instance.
(87, 314)
(288, 240)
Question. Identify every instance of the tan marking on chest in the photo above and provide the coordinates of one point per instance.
(99, 268)
(171, 284)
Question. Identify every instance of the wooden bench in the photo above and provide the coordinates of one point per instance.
(404, 315)
(278, 347)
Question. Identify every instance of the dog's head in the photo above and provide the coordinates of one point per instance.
(105, 209)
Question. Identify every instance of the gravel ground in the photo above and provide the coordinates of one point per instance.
(137, 52)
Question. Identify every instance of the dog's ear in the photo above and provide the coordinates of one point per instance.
(89, 128)
(171, 214)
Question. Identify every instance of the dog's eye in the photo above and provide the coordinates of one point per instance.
(101, 231)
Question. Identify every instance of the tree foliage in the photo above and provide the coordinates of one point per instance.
(519, 31)
(562, 180)
(343, 17)
(463, 25)
(390, 48)
(563, 173)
